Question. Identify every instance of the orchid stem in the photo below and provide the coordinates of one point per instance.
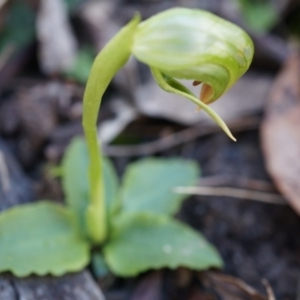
(107, 63)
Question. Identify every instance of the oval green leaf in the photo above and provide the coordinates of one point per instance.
(144, 241)
(148, 184)
(41, 238)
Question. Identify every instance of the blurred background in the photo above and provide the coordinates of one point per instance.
(46, 51)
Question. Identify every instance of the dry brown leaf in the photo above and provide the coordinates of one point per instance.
(57, 44)
(37, 111)
(98, 22)
(111, 128)
(280, 133)
(231, 288)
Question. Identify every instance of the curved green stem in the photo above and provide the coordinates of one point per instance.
(108, 62)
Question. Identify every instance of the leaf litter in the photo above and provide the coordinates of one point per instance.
(210, 166)
(280, 131)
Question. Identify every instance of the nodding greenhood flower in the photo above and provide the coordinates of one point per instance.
(176, 44)
(197, 45)
(194, 44)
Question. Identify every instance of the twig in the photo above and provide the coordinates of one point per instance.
(4, 175)
(178, 138)
(237, 182)
(269, 290)
(228, 286)
(231, 192)
(2, 2)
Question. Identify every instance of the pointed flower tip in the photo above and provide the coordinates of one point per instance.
(227, 131)
(136, 19)
(232, 137)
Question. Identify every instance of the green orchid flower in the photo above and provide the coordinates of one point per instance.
(176, 44)
(197, 45)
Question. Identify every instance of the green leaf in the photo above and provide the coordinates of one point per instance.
(19, 27)
(40, 238)
(111, 184)
(75, 180)
(147, 241)
(76, 185)
(148, 183)
(261, 16)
